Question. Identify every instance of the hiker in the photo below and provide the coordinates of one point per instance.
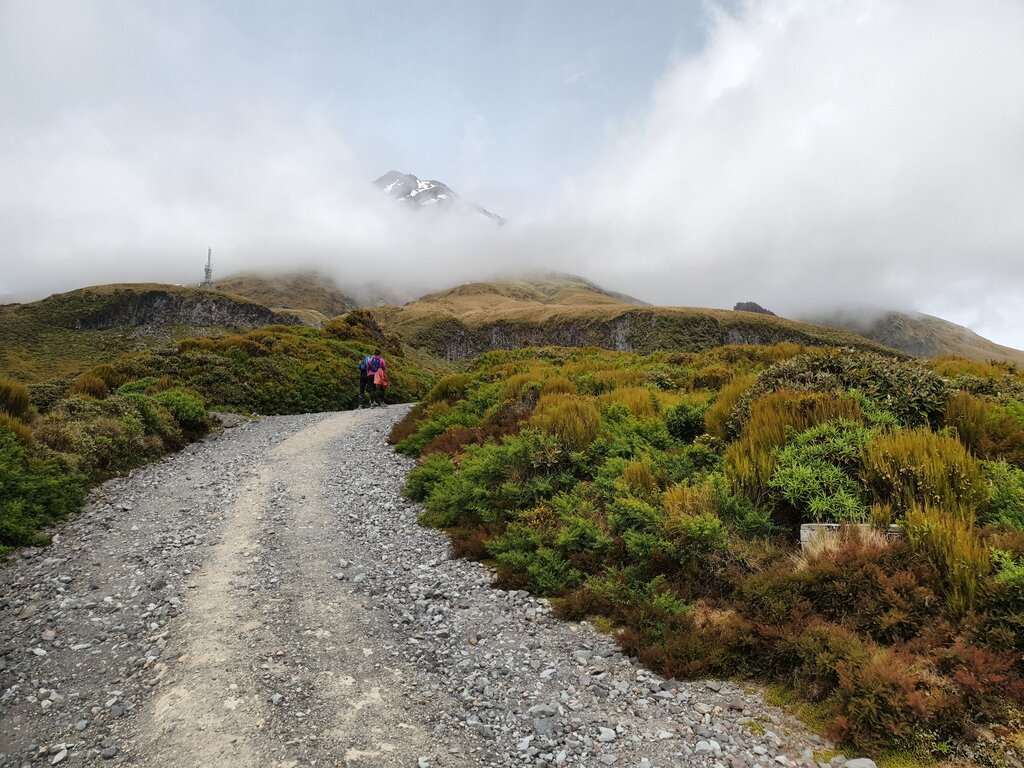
(365, 381)
(377, 370)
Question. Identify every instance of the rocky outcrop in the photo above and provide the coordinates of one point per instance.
(642, 331)
(752, 306)
(193, 308)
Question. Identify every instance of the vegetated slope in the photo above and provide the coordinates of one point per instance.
(565, 311)
(64, 334)
(57, 437)
(922, 335)
(294, 290)
(663, 494)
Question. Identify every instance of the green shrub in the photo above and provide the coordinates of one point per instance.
(685, 421)
(581, 535)
(625, 514)
(1008, 569)
(14, 398)
(701, 534)
(139, 386)
(750, 461)
(815, 471)
(544, 571)
(452, 387)
(187, 408)
(34, 492)
(1005, 496)
(915, 395)
(434, 469)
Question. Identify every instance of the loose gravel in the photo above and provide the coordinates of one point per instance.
(267, 598)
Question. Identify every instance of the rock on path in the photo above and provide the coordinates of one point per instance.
(266, 598)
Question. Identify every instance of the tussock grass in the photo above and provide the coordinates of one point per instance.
(717, 418)
(14, 398)
(641, 401)
(952, 544)
(574, 420)
(918, 467)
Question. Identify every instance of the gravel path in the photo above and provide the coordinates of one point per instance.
(266, 598)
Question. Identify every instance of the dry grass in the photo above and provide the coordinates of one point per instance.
(827, 544)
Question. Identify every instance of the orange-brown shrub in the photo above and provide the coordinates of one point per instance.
(453, 440)
(470, 543)
(952, 366)
(988, 430)
(949, 540)
(407, 425)
(639, 477)
(558, 385)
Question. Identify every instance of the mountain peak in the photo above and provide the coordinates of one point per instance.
(428, 193)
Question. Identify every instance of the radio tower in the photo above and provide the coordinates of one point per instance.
(208, 272)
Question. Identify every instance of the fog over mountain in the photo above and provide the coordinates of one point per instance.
(803, 155)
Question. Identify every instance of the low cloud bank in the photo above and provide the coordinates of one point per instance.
(811, 155)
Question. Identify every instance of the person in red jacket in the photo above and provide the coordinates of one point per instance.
(377, 369)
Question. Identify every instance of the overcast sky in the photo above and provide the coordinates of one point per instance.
(805, 154)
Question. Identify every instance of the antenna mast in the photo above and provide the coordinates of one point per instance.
(208, 272)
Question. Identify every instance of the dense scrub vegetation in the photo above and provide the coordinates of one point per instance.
(57, 439)
(664, 493)
(48, 460)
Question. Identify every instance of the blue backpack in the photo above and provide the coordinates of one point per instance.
(373, 364)
(362, 365)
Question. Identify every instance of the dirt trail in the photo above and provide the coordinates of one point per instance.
(266, 598)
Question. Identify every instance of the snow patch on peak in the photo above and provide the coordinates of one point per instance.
(421, 193)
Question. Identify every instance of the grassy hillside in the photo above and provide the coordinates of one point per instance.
(465, 321)
(295, 290)
(64, 334)
(661, 496)
(924, 336)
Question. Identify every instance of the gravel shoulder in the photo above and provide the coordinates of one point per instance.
(265, 597)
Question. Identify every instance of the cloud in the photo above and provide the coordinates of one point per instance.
(818, 153)
(812, 153)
